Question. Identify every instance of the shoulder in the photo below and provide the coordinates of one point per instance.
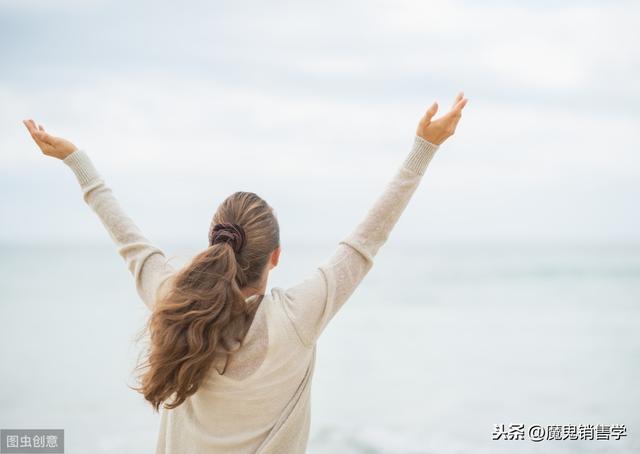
(277, 303)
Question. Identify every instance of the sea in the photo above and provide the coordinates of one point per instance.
(445, 347)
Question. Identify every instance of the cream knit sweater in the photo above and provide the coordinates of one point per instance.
(261, 404)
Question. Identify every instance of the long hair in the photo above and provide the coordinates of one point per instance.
(202, 313)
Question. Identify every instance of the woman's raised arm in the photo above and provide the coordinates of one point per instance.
(146, 262)
(312, 303)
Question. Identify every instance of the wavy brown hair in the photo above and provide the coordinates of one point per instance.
(202, 313)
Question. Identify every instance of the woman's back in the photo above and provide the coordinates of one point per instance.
(257, 400)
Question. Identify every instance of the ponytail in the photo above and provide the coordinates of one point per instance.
(203, 314)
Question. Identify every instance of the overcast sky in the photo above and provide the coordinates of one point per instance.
(314, 104)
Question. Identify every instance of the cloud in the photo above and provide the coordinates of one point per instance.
(199, 100)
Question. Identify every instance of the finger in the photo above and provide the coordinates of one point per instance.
(459, 105)
(453, 116)
(36, 132)
(41, 128)
(431, 111)
(29, 125)
(459, 96)
(44, 136)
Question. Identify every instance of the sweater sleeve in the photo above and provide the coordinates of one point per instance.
(146, 262)
(312, 303)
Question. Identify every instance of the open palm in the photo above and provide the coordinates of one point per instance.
(56, 147)
(437, 131)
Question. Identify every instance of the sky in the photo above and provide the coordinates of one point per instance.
(313, 105)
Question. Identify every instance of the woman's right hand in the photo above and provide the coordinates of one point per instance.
(53, 146)
(437, 131)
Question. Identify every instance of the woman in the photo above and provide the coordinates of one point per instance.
(230, 365)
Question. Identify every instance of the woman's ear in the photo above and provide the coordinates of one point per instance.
(275, 258)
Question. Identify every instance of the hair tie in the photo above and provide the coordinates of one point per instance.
(226, 232)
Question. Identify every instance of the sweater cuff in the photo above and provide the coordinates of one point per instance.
(82, 167)
(420, 155)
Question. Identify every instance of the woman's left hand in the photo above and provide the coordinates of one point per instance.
(439, 130)
(56, 147)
